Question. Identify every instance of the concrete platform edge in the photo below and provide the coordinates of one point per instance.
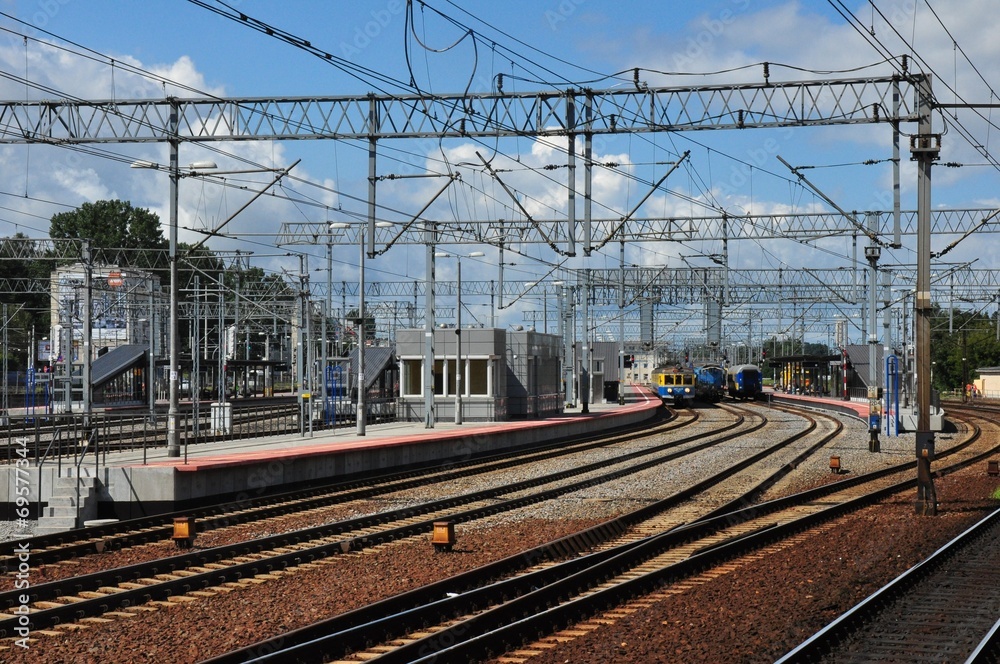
(130, 491)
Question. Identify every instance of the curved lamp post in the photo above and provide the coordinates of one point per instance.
(173, 432)
(362, 410)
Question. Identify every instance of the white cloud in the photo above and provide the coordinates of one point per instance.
(184, 72)
(84, 183)
(72, 177)
(792, 33)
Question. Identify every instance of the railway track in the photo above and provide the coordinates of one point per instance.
(612, 536)
(48, 549)
(71, 599)
(555, 598)
(937, 611)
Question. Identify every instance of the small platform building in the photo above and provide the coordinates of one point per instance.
(504, 374)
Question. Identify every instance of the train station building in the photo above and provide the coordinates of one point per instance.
(505, 374)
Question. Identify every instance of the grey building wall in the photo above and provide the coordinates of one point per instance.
(534, 379)
(522, 369)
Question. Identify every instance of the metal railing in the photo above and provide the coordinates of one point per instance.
(52, 436)
(40, 462)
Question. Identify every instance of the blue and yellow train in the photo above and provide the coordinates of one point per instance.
(675, 385)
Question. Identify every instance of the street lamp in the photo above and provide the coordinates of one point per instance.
(459, 369)
(872, 254)
(362, 408)
(173, 434)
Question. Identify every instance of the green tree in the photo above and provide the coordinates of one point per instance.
(118, 232)
(24, 287)
(960, 344)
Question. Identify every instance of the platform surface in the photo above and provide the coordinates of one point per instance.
(853, 408)
(860, 409)
(233, 452)
(236, 469)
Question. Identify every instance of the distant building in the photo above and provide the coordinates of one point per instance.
(119, 312)
(988, 383)
(605, 380)
(127, 321)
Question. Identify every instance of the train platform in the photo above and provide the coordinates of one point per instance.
(858, 408)
(137, 483)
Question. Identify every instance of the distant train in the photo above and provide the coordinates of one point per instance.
(710, 383)
(675, 385)
(744, 381)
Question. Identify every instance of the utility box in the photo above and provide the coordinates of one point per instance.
(222, 417)
(444, 535)
(183, 531)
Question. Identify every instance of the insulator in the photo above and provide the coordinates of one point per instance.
(767, 71)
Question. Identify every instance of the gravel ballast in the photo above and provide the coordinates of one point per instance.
(755, 614)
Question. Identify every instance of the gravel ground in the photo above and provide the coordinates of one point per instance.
(236, 617)
(753, 616)
(11, 531)
(769, 606)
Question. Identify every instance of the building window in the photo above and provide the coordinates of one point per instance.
(452, 373)
(478, 383)
(412, 386)
(439, 377)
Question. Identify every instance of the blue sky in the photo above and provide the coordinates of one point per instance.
(536, 46)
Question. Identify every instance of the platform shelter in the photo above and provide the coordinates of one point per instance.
(505, 374)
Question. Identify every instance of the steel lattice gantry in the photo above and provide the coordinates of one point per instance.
(546, 115)
(550, 113)
(691, 286)
(672, 286)
(800, 227)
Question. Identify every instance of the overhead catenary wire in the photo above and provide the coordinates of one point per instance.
(560, 183)
(307, 45)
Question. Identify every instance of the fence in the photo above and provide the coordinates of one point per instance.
(51, 437)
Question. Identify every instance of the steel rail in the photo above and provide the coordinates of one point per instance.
(307, 643)
(834, 634)
(338, 636)
(55, 547)
(521, 619)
